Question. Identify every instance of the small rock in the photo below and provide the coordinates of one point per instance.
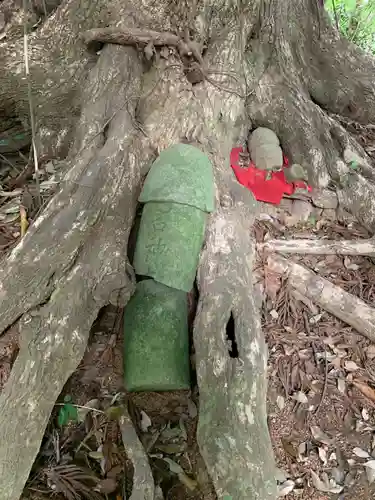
(329, 214)
(343, 216)
(301, 211)
(295, 172)
(286, 204)
(316, 212)
(325, 199)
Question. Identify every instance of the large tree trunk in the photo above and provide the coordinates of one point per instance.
(107, 115)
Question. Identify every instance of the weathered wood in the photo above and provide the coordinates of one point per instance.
(321, 247)
(225, 288)
(143, 481)
(330, 297)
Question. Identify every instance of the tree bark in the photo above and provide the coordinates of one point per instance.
(107, 114)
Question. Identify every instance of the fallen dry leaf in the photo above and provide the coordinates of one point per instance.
(325, 484)
(300, 397)
(280, 401)
(145, 421)
(358, 452)
(174, 467)
(365, 415)
(370, 464)
(289, 448)
(338, 475)
(370, 474)
(192, 408)
(348, 264)
(319, 435)
(351, 366)
(365, 389)
(322, 455)
(341, 385)
(286, 488)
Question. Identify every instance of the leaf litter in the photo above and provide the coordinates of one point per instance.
(321, 392)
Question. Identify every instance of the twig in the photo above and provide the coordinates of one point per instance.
(29, 94)
(308, 330)
(143, 482)
(324, 391)
(5, 160)
(83, 407)
(321, 247)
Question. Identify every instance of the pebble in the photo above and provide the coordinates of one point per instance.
(301, 211)
(325, 199)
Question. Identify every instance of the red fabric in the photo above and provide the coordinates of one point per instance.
(269, 190)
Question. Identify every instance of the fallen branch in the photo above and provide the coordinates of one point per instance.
(321, 247)
(143, 481)
(143, 38)
(189, 50)
(332, 298)
(131, 36)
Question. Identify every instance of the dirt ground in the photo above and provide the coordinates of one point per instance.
(321, 394)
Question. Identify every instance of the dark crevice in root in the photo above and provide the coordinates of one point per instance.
(318, 103)
(231, 337)
(132, 240)
(105, 133)
(193, 299)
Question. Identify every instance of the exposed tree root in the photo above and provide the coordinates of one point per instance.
(224, 279)
(143, 481)
(72, 260)
(321, 247)
(330, 297)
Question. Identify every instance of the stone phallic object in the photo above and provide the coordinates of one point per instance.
(156, 340)
(181, 174)
(265, 150)
(263, 135)
(169, 242)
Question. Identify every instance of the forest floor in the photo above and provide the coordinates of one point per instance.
(321, 395)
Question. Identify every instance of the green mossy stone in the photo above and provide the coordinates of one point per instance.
(156, 340)
(181, 174)
(169, 242)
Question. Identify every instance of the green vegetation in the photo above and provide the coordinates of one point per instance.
(356, 21)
